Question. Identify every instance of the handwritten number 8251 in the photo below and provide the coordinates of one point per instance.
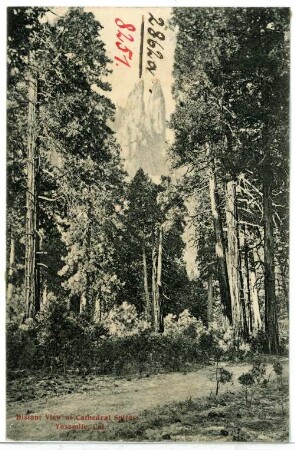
(119, 44)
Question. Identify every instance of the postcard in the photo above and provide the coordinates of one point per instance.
(147, 295)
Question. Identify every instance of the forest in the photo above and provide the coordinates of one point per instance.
(95, 259)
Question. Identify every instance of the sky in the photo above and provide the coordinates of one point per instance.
(123, 78)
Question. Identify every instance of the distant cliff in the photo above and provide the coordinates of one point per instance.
(141, 131)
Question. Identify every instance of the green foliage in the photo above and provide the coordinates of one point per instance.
(123, 321)
(123, 344)
(246, 379)
(79, 178)
(62, 339)
(231, 91)
(220, 343)
(224, 375)
(21, 345)
(185, 324)
(150, 206)
(259, 342)
(278, 368)
(258, 370)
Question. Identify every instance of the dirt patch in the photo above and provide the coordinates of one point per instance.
(107, 396)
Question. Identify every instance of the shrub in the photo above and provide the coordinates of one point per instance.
(123, 321)
(21, 346)
(259, 343)
(247, 380)
(278, 370)
(222, 376)
(258, 370)
(186, 324)
(65, 341)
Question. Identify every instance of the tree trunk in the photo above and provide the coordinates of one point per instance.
(219, 240)
(247, 290)
(97, 310)
(10, 271)
(246, 281)
(30, 254)
(83, 303)
(233, 260)
(44, 293)
(145, 285)
(246, 300)
(90, 305)
(154, 287)
(210, 300)
(271, 320)
(257, 323)
(157, 283)
(255, 260)
(38, 244)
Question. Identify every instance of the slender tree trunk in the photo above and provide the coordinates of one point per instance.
(83, 302)
(219, 240)
(154, 287)
(247, 290)
(210, 299)
(159, 282)
(98, 310)
(90, 305)
(145, 285)
(245, 296)
(30, 254)
(10, 271)
(233, 261)
(251, 293)
(257, 323)
(38, 242)
(281, 276)
(44, 293)
(271, 320)
(255, 260)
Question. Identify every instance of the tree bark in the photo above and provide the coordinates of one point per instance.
(246, 299)
(10, 271)
(44, 293)
(38, 244)
(92, 306)
(247, 290)
(83, 302)
(219, 240)
(30, 253)
(210, 299)
(97, 310)
(145, 285)
(233, 260)
(271, 320)
(257, 323)
(154, 287)
(157, 283)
